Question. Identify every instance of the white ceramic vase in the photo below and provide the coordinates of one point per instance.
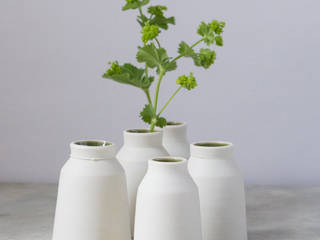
(139, 146)
(167, 203)
(221, 191)
(92, 202)
(175, 139)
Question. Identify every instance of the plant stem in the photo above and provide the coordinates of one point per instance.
(157, 89)
(167, 103)
(148, 95)
(146, 70)
(192, 46)
(158, 42)
(156, 96)
(140, 11)
(196, 43)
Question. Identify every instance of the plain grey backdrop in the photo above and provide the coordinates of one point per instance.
(262, 93)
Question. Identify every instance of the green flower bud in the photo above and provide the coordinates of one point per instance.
(188, 82)
(149, 32)
(115, 68)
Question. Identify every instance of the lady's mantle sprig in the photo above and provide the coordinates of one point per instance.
(187, 82)
(155, 57)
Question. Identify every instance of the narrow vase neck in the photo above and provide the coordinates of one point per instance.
(178, 130)
(92, 150)
(212, 150)
(142, 139)
(168, 165)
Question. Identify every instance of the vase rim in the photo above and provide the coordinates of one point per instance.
(135, 131)
(212, 144)
(91, 144)
(168, 160)
(92, 150)
(175, 124)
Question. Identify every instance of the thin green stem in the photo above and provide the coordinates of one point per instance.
(157, 41)
(148, 95)
(157, 89)
(156, 96)
(196, 43)
(140, 11)
(170, 99)
(146, 70)
(192, 46)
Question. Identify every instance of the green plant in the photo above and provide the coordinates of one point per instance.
(155, 57)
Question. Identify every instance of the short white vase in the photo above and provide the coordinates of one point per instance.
(221, 191)
(168, 203)
(175, 139)
(92, 202)
(139, 146)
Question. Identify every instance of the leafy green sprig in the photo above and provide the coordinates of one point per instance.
(155, 58)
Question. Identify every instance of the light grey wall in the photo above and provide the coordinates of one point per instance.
(262, 94)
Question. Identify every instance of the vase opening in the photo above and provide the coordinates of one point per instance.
(171, 123)
(212, 144)
(93, 143)
(140, 131)
(168, 160)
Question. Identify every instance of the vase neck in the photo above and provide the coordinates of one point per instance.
(92, 150)
(178, 130)
(174, 165)
(136, 138)
(212, 150)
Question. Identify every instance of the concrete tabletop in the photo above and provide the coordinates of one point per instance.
(273, 212)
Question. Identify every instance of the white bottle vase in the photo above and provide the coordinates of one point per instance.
(168, 203)
(221, 191)
(175, 139)
(139, 146)
(92, 202)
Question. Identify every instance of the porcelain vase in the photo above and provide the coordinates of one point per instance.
(175, 139)
(139, 146)
(167, 203)
(92, 202)
(221, 191)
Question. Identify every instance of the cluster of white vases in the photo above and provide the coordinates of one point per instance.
(167, 196)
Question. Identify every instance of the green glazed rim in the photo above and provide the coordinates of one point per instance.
(140, 131)
(172, 123)
(92, 143)
(212, 144)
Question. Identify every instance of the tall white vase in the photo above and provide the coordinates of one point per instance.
(139, 146)
(92, 202)
(221, 191)
(175, 139)
(168, 203)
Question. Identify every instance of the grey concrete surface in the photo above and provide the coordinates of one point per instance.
(274, 213)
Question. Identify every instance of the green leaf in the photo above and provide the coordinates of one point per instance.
(150, 55)
(206, 32)
(155, 57)
(210, 30)
(169, 66)
(205, 58)
(161, 122)
(185, 50)
(219, 41)
(148, 116)
(157, 10)
(157, 17)
(128, 74)
(142, 20)
(162, 22)
(134, 4)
